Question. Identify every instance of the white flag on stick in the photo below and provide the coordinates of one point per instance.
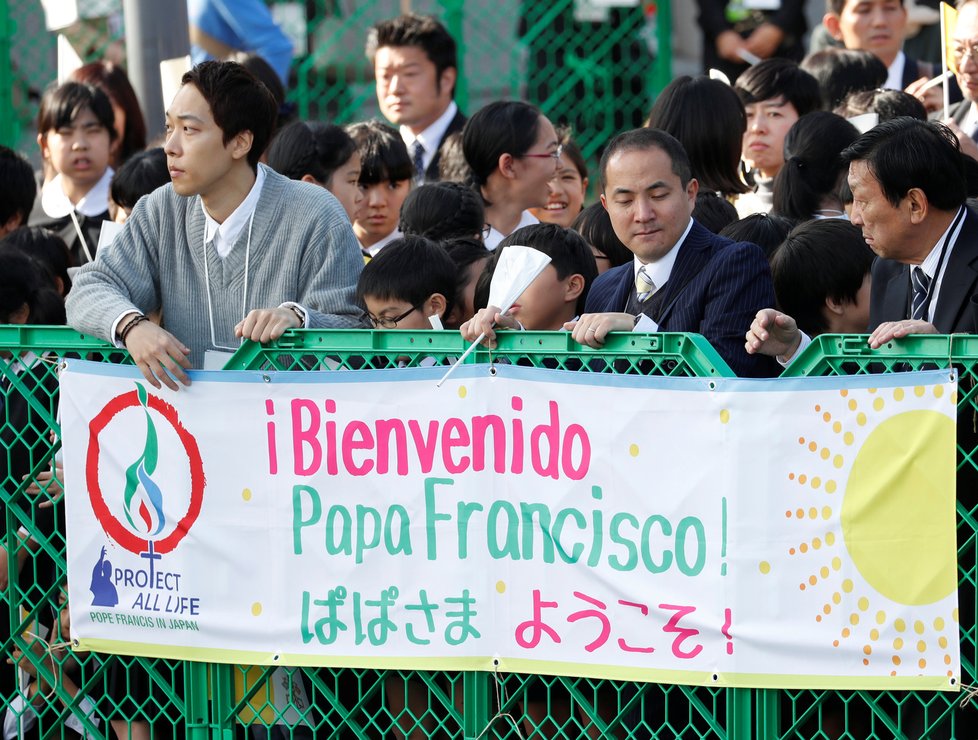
(516, 269)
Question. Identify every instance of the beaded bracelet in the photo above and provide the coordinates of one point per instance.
(136, 320)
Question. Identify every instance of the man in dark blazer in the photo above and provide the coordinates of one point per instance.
(909, 187)
(415, 68)
(683, 278)
(909, 198)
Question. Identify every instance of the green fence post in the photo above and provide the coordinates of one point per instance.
(222, 700)
(768, 714)
(8, 119)
(662, 68)
(455, 23)
(739, 714)
(197, 712)
(475, 693)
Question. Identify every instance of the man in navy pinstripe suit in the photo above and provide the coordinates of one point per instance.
(683, 278)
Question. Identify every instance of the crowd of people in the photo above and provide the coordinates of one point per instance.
(753, 212)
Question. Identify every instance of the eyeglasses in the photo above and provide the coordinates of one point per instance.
(958, 53)
(388, 322)
(555, 154)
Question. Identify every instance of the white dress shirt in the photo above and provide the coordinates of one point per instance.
(431, 137)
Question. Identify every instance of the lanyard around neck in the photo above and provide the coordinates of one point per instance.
(940, 263)
(207, 283)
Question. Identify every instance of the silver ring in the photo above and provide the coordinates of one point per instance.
(591, 330)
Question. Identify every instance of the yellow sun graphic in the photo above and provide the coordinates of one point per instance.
(876, 503)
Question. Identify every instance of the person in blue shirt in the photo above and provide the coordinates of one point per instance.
(221, 27)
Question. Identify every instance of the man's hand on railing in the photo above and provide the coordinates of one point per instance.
(896, 329)
(592, 329)
(159, 355)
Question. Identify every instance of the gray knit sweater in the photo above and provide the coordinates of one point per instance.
(302, 249)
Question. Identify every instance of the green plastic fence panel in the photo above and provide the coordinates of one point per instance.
(644, 354)
(363, 703)
(219, 701)
(87, 690)
(863, 714)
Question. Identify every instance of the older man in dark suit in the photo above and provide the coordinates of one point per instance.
(909, 192)
(683, 278)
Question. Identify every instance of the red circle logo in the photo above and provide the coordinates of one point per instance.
(112, 525)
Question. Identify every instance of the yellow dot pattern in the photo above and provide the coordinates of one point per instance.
(724, 416)
(633, 450)
(462, 391)
(256, 609)
(246, 494)
(500, 587)
(764, 566)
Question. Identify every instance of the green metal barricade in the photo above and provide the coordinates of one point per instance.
(225, 701)
(57, 691)
(221, 701)
(868, 714)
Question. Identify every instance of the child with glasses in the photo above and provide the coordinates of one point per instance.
(398, 295)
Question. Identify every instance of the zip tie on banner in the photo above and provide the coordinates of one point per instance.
(500, 697)
(971, 693)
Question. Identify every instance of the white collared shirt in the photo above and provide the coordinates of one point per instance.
(929, 265)
(431, 137)
(227, 233)
(374, 248)
(894, 73)
(660, 270)
(970, 123)
(494, 237)
(95, 202)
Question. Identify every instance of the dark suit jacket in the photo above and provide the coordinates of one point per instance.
(890, 291)
(457, 124)
(958, 112)
(715, 289)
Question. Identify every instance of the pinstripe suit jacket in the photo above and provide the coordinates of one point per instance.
(715, 289)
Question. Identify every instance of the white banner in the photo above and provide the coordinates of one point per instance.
(790, 533)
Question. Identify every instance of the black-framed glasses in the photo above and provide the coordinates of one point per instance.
(555, 154)
(388, 322)
(960, 52)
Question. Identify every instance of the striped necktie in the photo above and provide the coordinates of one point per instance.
(644, 287)
(418, 159)
(921, 287)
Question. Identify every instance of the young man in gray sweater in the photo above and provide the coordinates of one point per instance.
(228, 250)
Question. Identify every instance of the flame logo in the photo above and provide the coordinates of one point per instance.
(143, 499)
